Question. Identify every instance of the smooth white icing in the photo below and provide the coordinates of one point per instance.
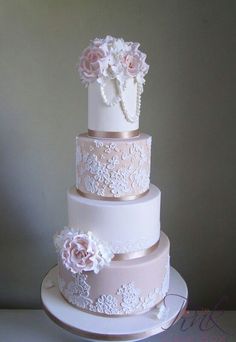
(102, 117)
(126, 226)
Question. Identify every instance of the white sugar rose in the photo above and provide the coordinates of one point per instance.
(90, 66)
(59, 239)
(79, 254)
(81, 251)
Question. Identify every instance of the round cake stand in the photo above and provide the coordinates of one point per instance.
(100, 328)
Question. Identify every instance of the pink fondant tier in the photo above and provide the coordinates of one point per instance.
(113, 168)
(122, 288)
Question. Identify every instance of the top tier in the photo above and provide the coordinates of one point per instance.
(113, 70)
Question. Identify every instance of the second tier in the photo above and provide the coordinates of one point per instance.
(126, 226)
(117, 169)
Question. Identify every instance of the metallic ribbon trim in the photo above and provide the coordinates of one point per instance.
(103, 198)
(121, 135)
(136, 254)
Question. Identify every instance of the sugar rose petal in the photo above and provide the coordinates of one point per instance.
(82, 251)
(89, 66)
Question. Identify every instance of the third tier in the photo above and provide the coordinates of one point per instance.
(116, 169)
(127, 226)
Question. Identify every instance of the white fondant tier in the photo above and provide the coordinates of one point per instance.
(127, 226)
(123, 287)
(104, 118)
(109, 168)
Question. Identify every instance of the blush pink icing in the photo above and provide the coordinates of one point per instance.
(113, 169)
(125, 287)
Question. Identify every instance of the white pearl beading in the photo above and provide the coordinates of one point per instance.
(114, 100)
(120, 98)
(128, 116)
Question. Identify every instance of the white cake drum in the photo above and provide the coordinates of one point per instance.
(113, 169)
(122, 288)
(107, 114)
(126, 226)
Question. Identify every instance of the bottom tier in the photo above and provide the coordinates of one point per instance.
(124, 287)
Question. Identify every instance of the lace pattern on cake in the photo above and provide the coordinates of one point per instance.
(126, 246)
(111, 169)
(127, 300)
(166, 281)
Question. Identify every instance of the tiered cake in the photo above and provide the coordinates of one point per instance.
(113, 259)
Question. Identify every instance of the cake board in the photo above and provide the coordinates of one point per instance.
(99, 328)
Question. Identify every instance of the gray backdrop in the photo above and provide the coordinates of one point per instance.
(188, 106)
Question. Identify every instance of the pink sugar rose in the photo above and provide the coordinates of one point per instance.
(80, 253)
(134, 63)
(90, 66)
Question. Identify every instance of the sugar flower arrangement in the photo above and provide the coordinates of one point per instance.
(112, 58)
(81, 251)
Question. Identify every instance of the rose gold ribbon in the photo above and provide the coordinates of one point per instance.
(104, 198)
(121, 135)
(135, 255)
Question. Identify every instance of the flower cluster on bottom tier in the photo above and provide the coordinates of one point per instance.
(122, 288)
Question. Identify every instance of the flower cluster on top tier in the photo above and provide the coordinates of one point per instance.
(112, 58)
(81, 251)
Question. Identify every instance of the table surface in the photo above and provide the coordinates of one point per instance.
(195, 326)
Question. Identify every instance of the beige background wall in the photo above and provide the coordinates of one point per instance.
(188, 107)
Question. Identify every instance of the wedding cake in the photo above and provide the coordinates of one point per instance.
(113, 259)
